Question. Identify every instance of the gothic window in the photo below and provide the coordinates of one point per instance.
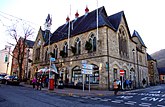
(65, 49)
(55, 51)
(46, 55)
(78, 46)
(37, 54)
(115, 73)
(92, 40)
(123, 42)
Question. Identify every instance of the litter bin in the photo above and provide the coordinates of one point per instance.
(61, 85)
(51, 84)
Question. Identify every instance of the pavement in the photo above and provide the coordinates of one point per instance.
(78, 92)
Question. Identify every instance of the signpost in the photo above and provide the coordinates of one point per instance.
(87, 69)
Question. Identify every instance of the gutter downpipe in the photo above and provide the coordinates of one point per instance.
(108, 59)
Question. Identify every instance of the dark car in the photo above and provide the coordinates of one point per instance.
(2, 79)
(12, 80)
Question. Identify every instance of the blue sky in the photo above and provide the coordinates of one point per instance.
(145, 16)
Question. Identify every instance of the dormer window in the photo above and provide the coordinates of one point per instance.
(39, 43)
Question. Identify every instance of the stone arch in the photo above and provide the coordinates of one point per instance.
(115, 68)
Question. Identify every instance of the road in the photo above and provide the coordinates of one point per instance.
(17, 96)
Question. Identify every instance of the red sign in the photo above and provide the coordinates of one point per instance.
(122, 72)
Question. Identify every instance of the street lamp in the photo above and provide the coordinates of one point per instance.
(134, 77)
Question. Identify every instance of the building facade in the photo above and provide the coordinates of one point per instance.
(152, 70)
(5, 60)
(107, 45)
(27, 60)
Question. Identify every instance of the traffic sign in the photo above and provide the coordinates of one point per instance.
(87, 66)
(86, 71)
(122, 72)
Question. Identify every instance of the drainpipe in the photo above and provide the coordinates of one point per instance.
(108, 59)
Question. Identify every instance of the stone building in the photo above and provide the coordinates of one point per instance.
(152, 70)
(107, 45)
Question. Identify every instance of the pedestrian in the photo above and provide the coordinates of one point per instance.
(127, 84)
(34, 82)
(118, 83)
(115, 87)
(130, 84)
(38, 83)
(144, 82)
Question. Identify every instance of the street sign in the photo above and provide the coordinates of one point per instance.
(84, 61)
(122, 72)
(86, 71)
(87, 66)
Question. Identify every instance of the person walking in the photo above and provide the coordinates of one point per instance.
(34, 82)
(115, 87)
(144, 82)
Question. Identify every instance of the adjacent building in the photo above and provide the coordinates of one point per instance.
(102, 41)
(27, 60)
(5, 60)
(152, 70)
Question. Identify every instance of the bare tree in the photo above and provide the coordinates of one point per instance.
(20, 36)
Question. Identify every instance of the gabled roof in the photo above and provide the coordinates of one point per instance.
(29, 43)
(149, 57)
(115, 19)
(136, 34)
(161, 71)
(82, 24)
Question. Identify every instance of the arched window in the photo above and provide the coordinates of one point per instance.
(78, 46)
(55, 51)
(65, 49)
(123, 45)
(92, 40)
(46, 55)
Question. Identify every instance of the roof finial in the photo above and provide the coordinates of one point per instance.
(86, 10)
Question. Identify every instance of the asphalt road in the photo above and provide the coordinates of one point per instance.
(17, 96)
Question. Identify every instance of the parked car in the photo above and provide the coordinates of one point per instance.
(2, 79)
(12, 80)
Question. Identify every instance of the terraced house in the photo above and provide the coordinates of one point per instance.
(107, 45)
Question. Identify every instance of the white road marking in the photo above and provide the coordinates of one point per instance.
(95, 98)
(130, 102)
(117, 101)
(160, 106)
(105, 99)
(145, 104)
(76, 96)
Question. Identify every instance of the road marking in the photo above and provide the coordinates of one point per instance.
(117, 101)
(105, 99)
(95, 98)
(124, 97)
(160, 105)
(145, 104)
(76, 96)
(130, 102)
(86, 97)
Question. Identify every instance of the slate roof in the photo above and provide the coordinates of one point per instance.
(86, 23)
(161, 71)
(136, 34)
(149, 57)
(30, 43)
